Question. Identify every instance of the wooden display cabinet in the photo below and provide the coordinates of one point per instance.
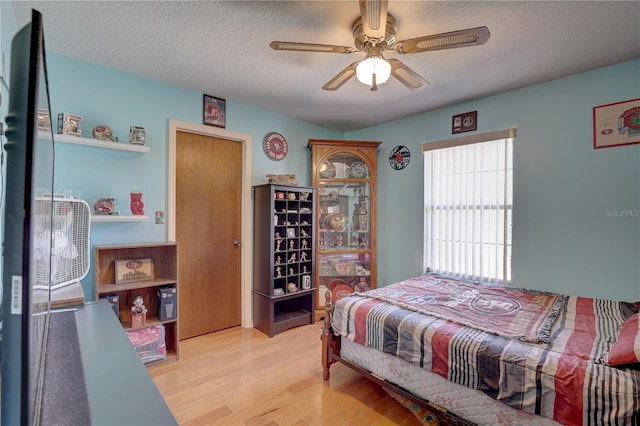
(165, 274)
(284, 220)
(344, 173)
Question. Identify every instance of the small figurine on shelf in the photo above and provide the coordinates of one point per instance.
(304, 269)
(362, 207)
(138, 312)
(278, 272)
(303, 256)
(106, 206)
(304, 244)
(292, 287)
(290, 271)
(137, 205)
(361, 286)
(278, 242)
(291, 243)
(278, 260)
(303, 233)
(292, 258)
(306, 282)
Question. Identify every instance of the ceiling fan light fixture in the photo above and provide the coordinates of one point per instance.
(373, 65)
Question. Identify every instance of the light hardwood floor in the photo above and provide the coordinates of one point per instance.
(242, 377)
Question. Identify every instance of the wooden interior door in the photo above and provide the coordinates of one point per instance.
(208, 231)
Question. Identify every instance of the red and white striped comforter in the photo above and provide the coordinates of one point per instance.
(566, 379)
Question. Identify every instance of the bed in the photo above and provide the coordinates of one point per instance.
(466, 352)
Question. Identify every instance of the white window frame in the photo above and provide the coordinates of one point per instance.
(454, 244)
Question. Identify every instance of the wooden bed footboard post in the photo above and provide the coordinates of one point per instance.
(329, 348)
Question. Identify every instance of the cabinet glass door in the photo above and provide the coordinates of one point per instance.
(344, 250)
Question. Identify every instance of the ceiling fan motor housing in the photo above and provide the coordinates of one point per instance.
(361, 40)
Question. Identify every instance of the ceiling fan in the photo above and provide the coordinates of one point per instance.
(374, 32)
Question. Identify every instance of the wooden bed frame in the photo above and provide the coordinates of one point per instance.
(331, 354)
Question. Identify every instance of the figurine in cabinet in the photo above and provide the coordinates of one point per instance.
(361, 286)
(138, 306)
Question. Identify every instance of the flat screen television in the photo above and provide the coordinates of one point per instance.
(30, 164)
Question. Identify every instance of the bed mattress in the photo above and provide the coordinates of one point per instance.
(460, 400)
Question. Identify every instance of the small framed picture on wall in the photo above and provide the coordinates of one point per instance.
(214, 111)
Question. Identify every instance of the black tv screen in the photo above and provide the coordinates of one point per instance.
(30, 164)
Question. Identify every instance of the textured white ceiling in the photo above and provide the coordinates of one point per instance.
(222, 48)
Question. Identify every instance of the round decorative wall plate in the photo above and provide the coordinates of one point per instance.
(275, 146)
(399, 157)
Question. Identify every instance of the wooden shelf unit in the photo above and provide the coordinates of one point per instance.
(165, 267)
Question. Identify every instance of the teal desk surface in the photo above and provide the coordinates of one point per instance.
(119, 389)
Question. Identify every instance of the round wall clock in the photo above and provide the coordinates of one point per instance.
(275, 146)
(399, 157)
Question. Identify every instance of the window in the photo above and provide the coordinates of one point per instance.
(468, 201)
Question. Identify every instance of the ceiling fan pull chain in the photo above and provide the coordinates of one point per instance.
(374, 86)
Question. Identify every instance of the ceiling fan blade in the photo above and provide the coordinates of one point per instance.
(342, 77)
(310, 47)
(406, 75)
(374, 18)
(462, 38)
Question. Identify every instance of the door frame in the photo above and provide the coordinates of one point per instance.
(246, 246)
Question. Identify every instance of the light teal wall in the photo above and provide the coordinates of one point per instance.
(107, 96)
(566, 237)
(563, 238)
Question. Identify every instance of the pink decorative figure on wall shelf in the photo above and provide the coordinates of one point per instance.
(137, 206)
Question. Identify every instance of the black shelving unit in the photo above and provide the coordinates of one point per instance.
(284, 220)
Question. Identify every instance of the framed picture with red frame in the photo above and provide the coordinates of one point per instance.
(616, 124)
(214, 111)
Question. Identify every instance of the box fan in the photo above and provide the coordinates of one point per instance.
(60, 241)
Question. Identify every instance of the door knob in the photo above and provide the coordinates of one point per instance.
(237, 243)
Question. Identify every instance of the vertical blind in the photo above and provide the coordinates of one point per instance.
(468, 204)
